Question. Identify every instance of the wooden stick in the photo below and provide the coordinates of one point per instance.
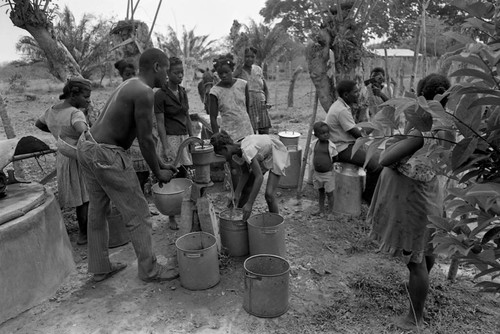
(424, 38)
(415, 58)
(308, 142)
(387, 76)
(154, 21)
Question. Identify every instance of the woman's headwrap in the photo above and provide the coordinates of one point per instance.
(75, 85)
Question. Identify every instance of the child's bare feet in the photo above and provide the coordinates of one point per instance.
(172, 223)
(406, 323)
(319, 213)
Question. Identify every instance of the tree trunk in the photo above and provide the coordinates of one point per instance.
(317, 60)
(295, 75)
(61, 64)
(10, 133)
(30, 16)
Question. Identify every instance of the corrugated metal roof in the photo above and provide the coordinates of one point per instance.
(394, 52)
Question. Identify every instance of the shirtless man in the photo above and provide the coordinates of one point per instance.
(109, 173)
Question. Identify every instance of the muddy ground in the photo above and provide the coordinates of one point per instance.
(338, 283)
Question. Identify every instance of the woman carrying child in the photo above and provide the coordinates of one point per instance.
(407, 193)
(256, 154)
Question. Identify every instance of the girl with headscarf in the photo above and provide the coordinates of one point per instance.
(66, 122)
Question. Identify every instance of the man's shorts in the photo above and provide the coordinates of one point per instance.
(324, 180)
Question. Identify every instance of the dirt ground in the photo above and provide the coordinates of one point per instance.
(338, 283)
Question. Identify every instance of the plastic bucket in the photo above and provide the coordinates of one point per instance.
(118, 233)
(198, 260)
(292, 172)
(349, 185)
(233, 232)
(289, 138)
(266, 285)
(266, 234)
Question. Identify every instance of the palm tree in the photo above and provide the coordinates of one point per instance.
(35, 16)
(187, 45)
(271, 42)
(87, 42)
(30, 49)
(191, 48)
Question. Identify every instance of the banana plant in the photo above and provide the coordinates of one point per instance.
(470, 229)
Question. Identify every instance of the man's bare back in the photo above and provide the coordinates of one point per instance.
(117, 124)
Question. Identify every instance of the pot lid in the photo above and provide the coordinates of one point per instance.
(289, 134)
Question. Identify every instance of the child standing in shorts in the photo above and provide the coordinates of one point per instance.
(323, 154)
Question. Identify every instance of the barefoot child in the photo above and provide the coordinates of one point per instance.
(256, 154)
(323, 154)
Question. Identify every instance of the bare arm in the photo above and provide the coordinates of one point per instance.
(355, 132)
(247, 99)
(245, 174)
(266, 90)
(214, 112)
(257, 183)
(42, 126)
(189, 124)
(160, 124)
(143, 106)
(401, 149)
(80, 127)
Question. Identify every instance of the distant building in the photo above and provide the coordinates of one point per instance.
(394, 52)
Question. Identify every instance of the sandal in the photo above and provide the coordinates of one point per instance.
(115, 268)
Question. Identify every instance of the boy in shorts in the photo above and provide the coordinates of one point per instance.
(323, 154)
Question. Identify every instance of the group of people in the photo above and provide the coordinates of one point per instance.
(101, 164)
(109, 162)
(401, 188)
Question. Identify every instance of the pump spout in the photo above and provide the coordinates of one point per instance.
(187, 141)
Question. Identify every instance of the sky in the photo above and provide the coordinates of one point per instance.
(208, 17)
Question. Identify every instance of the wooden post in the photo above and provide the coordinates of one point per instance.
(415, 59)
(308, 143)
(276, 87)
(424, 38)
(10, 133)
(154, 21)
(387, 76)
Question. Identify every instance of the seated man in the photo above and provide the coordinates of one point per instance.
(343, 133)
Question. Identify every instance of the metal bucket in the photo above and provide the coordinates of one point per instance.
(168, 198)
(266, 285)
(349, 185)
(198, 260)
(292, 172)
(289, 138)
(233, 232)
(118, 233)
(266, 234)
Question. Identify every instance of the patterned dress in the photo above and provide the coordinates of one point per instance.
(232, 109)
(398, 213)
(257, 108)
(70, 184)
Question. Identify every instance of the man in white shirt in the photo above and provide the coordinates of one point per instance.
(344, 132)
